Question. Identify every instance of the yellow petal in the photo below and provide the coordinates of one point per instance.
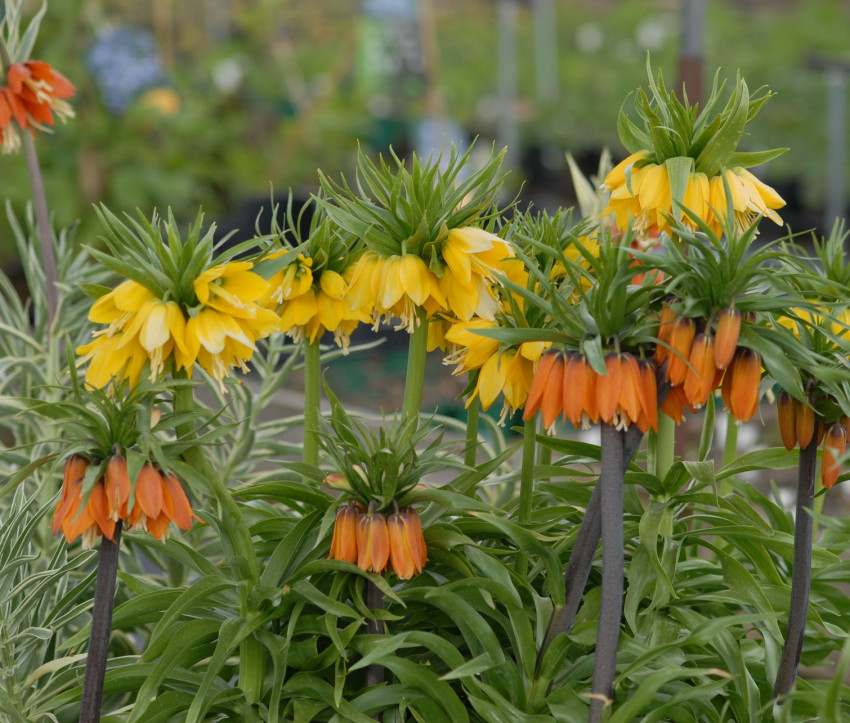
(332, 284)
(491, 379)
(414, 276)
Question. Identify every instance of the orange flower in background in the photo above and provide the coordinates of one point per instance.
(33, 93)
(159, 499)
(42, 91)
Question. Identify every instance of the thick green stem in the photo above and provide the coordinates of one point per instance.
(613, 559)
(416, 356)
(801, 575)
(665, 446)
(312, 401)
(473, 411)
(101, 628)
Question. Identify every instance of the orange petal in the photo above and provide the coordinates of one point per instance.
(158, 526)
(539, 384)
(681, 340)
(786, 415)
(149, 491)
(834, 446)
(117, 483)
(99, 509)
(401, 558)
(553, 397)
(177, 505)
(608, 388)
(726, 339)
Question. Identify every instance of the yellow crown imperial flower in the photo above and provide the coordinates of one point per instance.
(426, 251)
(684, 166)
(180, 310)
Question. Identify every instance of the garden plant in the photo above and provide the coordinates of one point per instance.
(173, 547)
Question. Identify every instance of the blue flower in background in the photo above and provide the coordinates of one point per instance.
(124, 63)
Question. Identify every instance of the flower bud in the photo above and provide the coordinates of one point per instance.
(337, 481)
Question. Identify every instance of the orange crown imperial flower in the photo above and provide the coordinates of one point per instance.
(34, 91)
(568, 385)
(373, 542)
(159, 499)
(740, 389)
(834, 447)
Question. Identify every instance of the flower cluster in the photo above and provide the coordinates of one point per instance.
(373, 541)
(33, 93)
(566, 384)
(698, 362)
(155, 501)
(311, 303)
(683, 165)
(209, 314)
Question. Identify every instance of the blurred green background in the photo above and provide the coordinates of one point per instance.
(255, 93)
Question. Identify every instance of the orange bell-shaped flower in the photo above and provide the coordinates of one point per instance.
(552, 403)
(726, 339)
(804, 423)
(608, 388)
(72, 479)
(648, 418)
(786, 413)
(665, 330)
(407, 544)
(539, 384)
(681, 339)
(373, 544)
(117, 483)
(834, 447)
(741, 385)
(699, 381)
(344, 540)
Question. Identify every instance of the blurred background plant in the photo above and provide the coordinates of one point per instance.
(206, 103)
